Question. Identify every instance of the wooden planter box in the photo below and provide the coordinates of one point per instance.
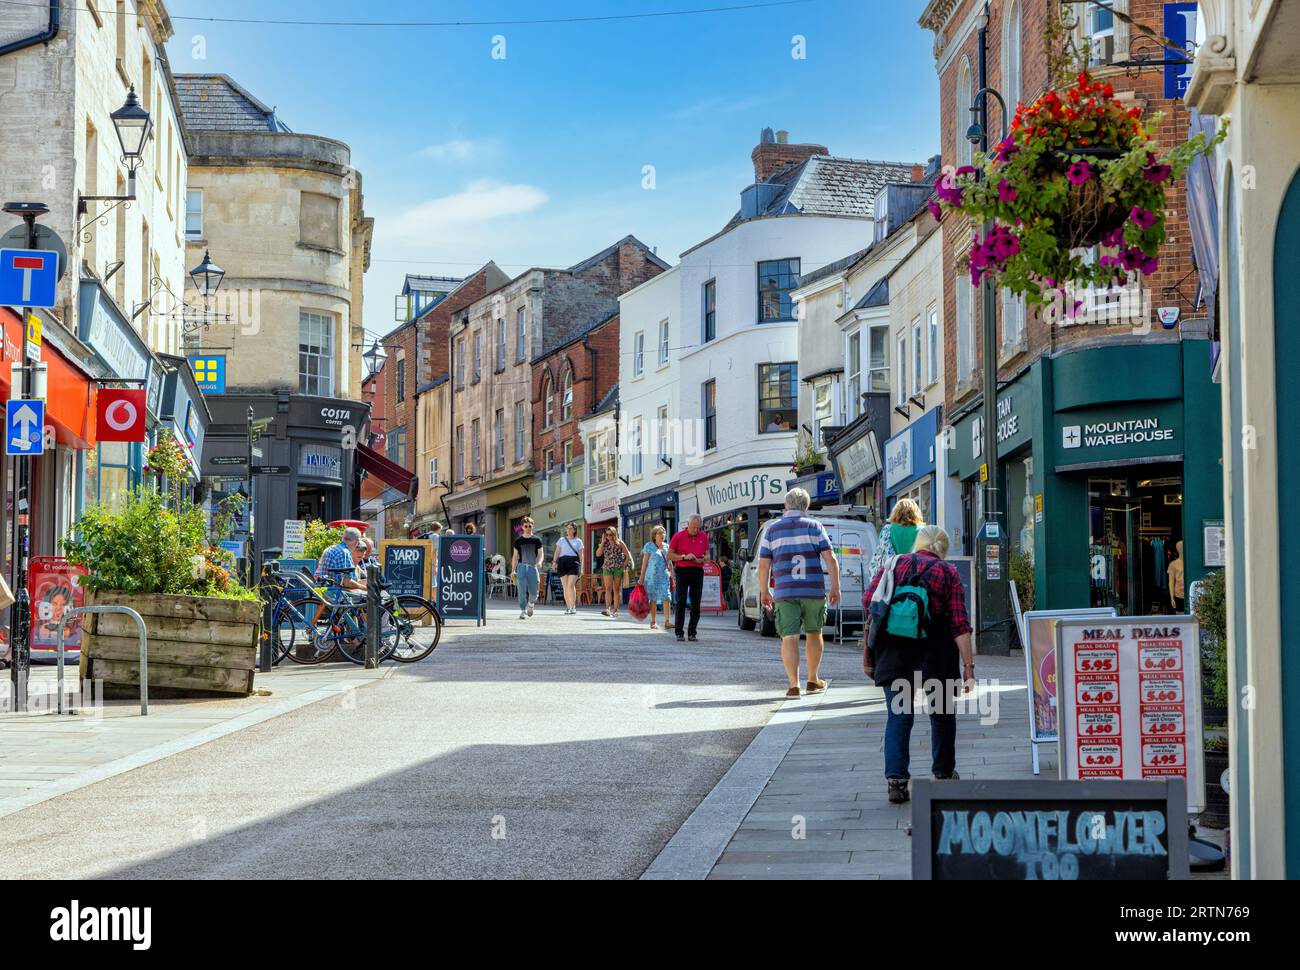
(197, 645)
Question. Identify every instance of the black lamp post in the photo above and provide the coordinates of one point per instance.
(207, 276)
(134, 128)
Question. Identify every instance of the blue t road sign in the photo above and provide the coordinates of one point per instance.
(25, 428)
(29, 278)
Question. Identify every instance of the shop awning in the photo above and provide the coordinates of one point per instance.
(388, 472)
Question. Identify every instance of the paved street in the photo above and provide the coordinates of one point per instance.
(583, 747)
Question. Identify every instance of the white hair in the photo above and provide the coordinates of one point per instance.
(351, 534)
(798, 500)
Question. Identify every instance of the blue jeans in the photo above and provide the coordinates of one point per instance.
(529, 584)
(899, 703)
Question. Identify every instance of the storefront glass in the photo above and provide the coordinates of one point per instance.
(1135, 526)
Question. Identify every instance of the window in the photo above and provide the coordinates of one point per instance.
(501, 346)
(519, 431)
(548, 404)
(1011, 54)
(965, 329)
(433, 473)
(853, 406)
(663, 343)
(499, 452)
(823, 408)
(460, 363)
(879, 375)
(1101, 32)
(520, 339)
(900, 372)
(918, 353)
(710, 310)
(460, 453)
(566, 402)
(476, 437)
(638, 355)
(396, 446)
(1013, 319)
(549, 465)
(710, 398)
(315, 354)
(478, 356)
(401, 379)
(932, 372)
(776, 279)
(318, 220)
(636, 447)
(963, 117)
(663, 438)
(601, 464)
(778, 408)
(566, 476)
(194, 214)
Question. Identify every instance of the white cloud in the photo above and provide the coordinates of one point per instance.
(715, 106)
(460, 150)
(480, 201)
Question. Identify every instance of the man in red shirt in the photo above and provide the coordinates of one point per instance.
(688, 552)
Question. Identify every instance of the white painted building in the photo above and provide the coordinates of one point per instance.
(739, 369)
(653, 440)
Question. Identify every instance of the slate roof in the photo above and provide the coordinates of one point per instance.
(826, 185)
(830, 269)
(215, 102)
(878, 295)
(607, 402)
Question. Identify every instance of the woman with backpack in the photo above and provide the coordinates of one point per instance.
(898, 535)
(924, 630)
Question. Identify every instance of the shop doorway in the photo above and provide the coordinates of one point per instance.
(1135, 528)
(312, 503)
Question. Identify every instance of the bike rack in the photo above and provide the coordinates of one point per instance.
(144, 648)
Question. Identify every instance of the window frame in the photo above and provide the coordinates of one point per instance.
(638, 354)
(638, 439)
(548, 402)
(324, 355)
(499, 440)
(476, 448)
(853, 387)
(791, 368)
(521, 336)
(664, 341)
(709, 310)
(566, 396)
(192, 235)
(478, 356)
(792, 277)
(934, 346)
(520, 429)
(662, 418)
(918, 355)
(709, 412)
(900, 369)
(501, 345)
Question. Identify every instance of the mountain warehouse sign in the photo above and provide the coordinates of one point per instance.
(1112, 433)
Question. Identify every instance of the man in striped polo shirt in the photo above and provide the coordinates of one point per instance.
(796, 553)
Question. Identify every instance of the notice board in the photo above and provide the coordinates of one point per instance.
(407, 566)
(1129, 698)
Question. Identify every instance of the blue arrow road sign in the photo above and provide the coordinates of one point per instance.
(29, 278)
(25, 428)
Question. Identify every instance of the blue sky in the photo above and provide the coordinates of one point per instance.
(537, 158)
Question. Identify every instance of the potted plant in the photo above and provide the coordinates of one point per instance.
(1211, 611)
(153, 554)
(807, 459)
(1078, 169)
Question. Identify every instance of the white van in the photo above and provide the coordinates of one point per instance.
(854, 542)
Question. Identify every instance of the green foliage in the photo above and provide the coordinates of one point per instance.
(806, 455)
(1022, 574)
(148, 546)
(168, 461)
(319, 538)
(1212, 612)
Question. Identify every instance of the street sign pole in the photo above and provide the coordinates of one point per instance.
(250, 552)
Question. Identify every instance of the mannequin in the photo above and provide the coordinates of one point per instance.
(1176, 580)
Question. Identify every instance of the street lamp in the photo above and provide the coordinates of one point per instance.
(375, 356)
(207, 276)
(134, 128)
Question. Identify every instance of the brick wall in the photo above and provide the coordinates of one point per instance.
(772, 157)
(594, 364)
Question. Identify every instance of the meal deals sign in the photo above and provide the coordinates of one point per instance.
(1129, 698)
(461, 595)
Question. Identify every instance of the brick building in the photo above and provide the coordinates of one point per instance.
(1107, 427)
(568, 383)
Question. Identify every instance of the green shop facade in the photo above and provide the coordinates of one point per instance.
(1113, 483)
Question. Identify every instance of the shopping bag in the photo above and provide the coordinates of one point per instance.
(638, 603)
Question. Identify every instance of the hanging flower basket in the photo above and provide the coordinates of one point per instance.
(1077, 170)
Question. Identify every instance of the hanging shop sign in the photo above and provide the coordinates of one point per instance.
(910, 455)
(210, 373)
(743, 488)
(1180, 29)
(1129, 696)
(858, 462)
(111, 336)
(898, 458)
(121, 415)
(1049, 830)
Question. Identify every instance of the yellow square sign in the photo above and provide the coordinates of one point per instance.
(33, 337)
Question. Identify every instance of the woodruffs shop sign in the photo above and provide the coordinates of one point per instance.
(740, 489)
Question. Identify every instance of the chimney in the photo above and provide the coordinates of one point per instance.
(918, 173)
(775, 154)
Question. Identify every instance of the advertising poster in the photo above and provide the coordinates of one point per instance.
(1130, 700)
(711, 596)
(407, 566)
(1038, 634)
(461, 595)
(54, 586)
(295, 538)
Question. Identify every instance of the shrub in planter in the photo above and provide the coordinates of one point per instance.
(1076, 170)
(319, 538)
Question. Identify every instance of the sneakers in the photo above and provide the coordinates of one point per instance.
(523, 616)
(953, 777)
(898, 793)
(816, 686)
(680, 638)
(693, 638)
(530, 609)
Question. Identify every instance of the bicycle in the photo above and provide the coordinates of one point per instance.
(401, 619)
(299, 618)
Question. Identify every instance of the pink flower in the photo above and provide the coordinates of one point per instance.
(1079, 172)
(1142, 218)
(1133, 258)
(949, 193)
(1005, 149)
(1150, 265)
(1114, 238)
(1005, 192)
(966, 170)
(936, 211)
(1155, 174)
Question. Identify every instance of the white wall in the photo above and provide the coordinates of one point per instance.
(640, 311)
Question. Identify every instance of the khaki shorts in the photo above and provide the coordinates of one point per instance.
(799, 616)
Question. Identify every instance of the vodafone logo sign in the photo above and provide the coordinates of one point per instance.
(121, 415)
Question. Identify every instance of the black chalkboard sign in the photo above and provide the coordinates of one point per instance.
(1053, 830)
(554, 588)
(406, 566)
(460, 592)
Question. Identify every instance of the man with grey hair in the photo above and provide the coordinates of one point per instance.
(337, 567)
(791, 557)
(688, 552)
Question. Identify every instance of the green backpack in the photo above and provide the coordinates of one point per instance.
(909, 610)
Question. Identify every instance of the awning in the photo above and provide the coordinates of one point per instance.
(388, 472)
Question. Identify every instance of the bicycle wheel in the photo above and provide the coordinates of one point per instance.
(308, 620)
(348, 632)
(283, 631)
(419, 628)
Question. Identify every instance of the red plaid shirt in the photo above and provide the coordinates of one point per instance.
(941, 580)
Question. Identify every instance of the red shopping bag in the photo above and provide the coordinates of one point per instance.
(638, 603)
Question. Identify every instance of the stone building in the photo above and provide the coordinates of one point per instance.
(492, 348)
(1068, 496)
(283, 214)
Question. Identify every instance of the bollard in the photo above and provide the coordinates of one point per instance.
(372, 618)
(144, 648)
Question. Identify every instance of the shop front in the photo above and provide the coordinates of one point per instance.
(734, 507)
(506, 502)
(185, 416)
(641, 513)
(910, 465)
(465, 509)
(822, 487)
(304, 467)
(1110, 498)
(551, 516)
(600, 512)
